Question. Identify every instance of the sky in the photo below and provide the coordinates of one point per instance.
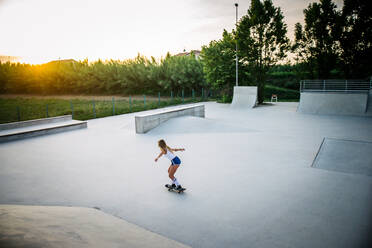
(42, 30)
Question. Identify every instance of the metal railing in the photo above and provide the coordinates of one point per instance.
(335, 86)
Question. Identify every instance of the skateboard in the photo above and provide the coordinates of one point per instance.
(170, 188)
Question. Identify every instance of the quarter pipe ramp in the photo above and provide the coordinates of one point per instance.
(331, 103)
(244, 97)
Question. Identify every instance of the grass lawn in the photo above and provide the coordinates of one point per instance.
(21, 108)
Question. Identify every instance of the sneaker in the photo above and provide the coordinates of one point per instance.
(173, 186)
(179, 187)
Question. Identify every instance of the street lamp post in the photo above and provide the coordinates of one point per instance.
(236, 44)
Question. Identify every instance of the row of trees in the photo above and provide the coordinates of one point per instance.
(132, 76)
(332, 44)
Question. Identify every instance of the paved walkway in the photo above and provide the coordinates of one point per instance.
(248, 176)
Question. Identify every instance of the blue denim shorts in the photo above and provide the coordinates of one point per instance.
(176, 161)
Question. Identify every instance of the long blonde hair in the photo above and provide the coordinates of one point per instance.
(163, 146)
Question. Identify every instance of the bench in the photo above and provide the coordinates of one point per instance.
(146, 122)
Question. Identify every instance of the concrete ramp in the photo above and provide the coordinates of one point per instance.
(369, 104)
(348, 156)
(332, 103)
(56, 227)
(244, 97)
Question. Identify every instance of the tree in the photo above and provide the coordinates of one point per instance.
(356, 38)
(177, 73)
(262, 41)
(316, 45)
(218, 60)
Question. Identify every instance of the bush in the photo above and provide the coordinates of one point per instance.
(225, 99)
(282, 93)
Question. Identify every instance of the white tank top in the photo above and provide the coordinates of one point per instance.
(169, 155)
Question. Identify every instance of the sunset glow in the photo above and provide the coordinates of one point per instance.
(44, 30)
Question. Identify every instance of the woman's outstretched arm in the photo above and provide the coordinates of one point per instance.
(161, 154)
(178, 149)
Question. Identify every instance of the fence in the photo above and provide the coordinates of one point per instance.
(347, 86)
(27, 109)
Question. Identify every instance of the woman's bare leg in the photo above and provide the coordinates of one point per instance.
(172, 171)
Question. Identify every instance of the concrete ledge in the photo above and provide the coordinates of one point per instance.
(146, 122)
(20, 124)
(38, 130)
(57, 227)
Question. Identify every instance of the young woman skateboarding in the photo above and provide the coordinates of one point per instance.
(175, 161)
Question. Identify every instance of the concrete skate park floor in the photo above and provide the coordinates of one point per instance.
(248, 176)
